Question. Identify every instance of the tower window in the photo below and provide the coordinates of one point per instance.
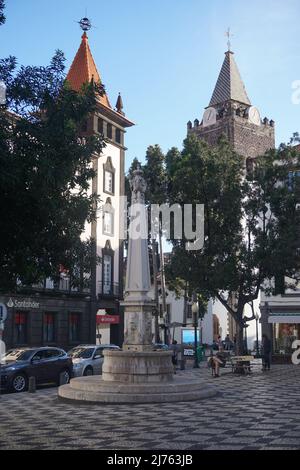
(108, 177)
(118, 136)
(109, 131)
(100, 126)
(108, 182)
(108, 218)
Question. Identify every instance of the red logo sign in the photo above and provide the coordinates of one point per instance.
(108, 319)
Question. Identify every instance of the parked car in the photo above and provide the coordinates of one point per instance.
(88, 358)
(46, 364)
(161, 347)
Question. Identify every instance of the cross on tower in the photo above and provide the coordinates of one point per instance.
(229, 35)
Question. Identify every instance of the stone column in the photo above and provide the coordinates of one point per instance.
(138, 306)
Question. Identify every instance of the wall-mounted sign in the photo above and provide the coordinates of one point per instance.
(22, 303)
(108, 319)
(188, 352)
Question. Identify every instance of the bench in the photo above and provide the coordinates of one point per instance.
(241, 364)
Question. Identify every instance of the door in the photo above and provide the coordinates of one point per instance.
(98, 359)
(40, 367)
(45, 365)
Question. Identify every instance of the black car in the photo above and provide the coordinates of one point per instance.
(46, 364)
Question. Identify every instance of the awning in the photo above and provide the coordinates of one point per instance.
(284, 318)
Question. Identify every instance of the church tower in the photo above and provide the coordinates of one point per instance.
(230, 112)
(109, 184)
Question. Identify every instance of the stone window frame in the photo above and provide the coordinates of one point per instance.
(108, 208)
(108, 167)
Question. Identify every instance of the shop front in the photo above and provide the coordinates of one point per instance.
(285, 330)
(107, 327)
(47, 321)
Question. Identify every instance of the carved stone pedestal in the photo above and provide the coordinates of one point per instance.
(137, 367)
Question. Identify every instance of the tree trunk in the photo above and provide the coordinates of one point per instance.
(239, 339)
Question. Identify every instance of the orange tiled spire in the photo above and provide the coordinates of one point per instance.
(83, 69)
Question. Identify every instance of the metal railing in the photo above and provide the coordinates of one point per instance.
(63, 286)
(108, 290)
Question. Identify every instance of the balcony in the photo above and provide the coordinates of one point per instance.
(61, 287)
(109, 290)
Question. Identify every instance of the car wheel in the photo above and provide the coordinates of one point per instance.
(88, 371)
(64, 377)
(19, 383)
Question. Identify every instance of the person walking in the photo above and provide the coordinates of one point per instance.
(266, 352)
(227, 343)
(174, 349)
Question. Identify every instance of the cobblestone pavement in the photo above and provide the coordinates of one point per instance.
(260, 411)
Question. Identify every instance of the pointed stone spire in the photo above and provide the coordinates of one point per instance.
(84, 70)
(119, 105)
(230, 85)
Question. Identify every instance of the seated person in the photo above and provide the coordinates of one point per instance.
(217, 361)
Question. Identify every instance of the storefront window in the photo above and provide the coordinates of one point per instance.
(49, 327)
(74, 325)
(21, 321)
(284, 334)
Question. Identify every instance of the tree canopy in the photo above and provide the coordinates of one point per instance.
(2, 17)
(46, 170)
(251, 222)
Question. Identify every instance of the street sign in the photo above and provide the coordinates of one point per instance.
(3, 313)
(108, 319)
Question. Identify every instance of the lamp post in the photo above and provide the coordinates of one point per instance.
(195, 310)
(246, 339)
(257, 348)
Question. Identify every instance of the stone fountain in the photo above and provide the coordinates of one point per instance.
(137, 374)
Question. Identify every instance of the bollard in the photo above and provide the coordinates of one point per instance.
(32, 385)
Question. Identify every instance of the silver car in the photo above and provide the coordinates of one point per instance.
(88, 358)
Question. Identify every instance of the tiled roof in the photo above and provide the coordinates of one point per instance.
(230, 85)
(83, 70)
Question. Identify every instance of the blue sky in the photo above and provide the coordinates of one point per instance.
(164, 56)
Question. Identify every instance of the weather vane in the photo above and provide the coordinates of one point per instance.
(229, 35)
(85, 24)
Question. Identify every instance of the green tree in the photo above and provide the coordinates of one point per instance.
(46, 170)
(2, 17)
(251, 223)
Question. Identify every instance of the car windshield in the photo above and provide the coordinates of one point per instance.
(18, 355)
(83, 353)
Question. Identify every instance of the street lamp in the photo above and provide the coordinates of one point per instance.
(195, 311)
(257, 348)
(246, 339)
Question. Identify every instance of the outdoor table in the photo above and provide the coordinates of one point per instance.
(241, 364)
